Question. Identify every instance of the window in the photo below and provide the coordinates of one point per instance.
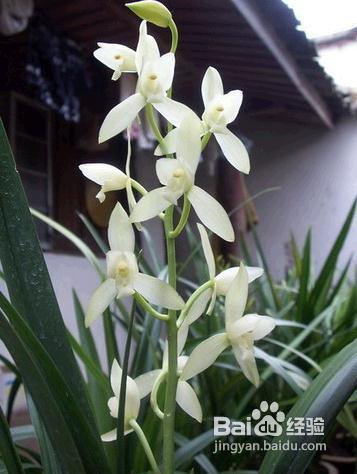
(31, 141)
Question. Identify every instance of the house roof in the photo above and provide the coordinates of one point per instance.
(255, 45)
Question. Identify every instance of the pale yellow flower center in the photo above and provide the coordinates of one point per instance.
(153, 77)
(220, 108)
(117, 56)
(123, 270)
(179, 173)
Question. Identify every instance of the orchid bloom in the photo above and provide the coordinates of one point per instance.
(124, 278)
(111, 178)
(117, 57)
(155, 76)
(224, 279)
(107, 176)
(178, 177)
(186, 397)
(220, 110)
(241, 332)
(132, 401)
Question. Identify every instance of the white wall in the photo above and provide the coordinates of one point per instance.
(67, 272)
(317, 172)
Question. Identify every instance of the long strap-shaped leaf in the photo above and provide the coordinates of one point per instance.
(85, 437)
(26, 274)
(7, 449)
(324, 398)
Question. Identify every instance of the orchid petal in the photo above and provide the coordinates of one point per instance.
(168, 145)
(207, 250)
(165, 168)
(231, 103)
(132, 400)
(234, 150)
(107, 54)
(246, 361)
(158, 292)
(237, 296)
(188, 145)
(103, 174)
(263, 325)
(165, 70)
(213, 301)
(120, 231)
(147, 48)
(115, 377)
(187, 399)
(182, 334)
(146, 381)
(100, 300)
(211, 213)
(211, 85)
(198, 306)
(224, 279)
(109, 436)
(172, 110)
(120, 117)
(150, 205)
(204, 355)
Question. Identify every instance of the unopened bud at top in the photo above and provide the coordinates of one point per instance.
(151, 11)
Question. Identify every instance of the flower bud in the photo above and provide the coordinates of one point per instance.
(151, 11)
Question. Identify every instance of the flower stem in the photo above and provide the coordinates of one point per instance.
(183, 219)
(138, 186)
(152, 122)
(201, 289)
(171, 380)
(174, 36)
(147, 306)
(153, 396)
(144, 443)
(205, 140)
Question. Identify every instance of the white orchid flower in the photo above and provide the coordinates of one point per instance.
(186, 397)
(241, 332)
(107, 176)
(117, 57)
(178, 178)
(155, 76)
(224, 279)
(220, 110)
(124, 278)
(132, 401)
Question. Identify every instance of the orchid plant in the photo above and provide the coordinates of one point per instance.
(182, 149)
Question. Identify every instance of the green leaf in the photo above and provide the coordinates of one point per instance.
(20, 433)
(27, 277)
(48, 456)
(84, 435)
(94, 233)
(201, 459)
(120, 441)
(36, 383)
(304, 280)
(324, 398)
(15, 386)
(76, 241)
(193, 447)
(319, 293)
(7, 449)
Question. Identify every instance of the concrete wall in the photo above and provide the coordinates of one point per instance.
(316, 170)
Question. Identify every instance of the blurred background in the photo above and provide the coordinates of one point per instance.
(295, 61)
